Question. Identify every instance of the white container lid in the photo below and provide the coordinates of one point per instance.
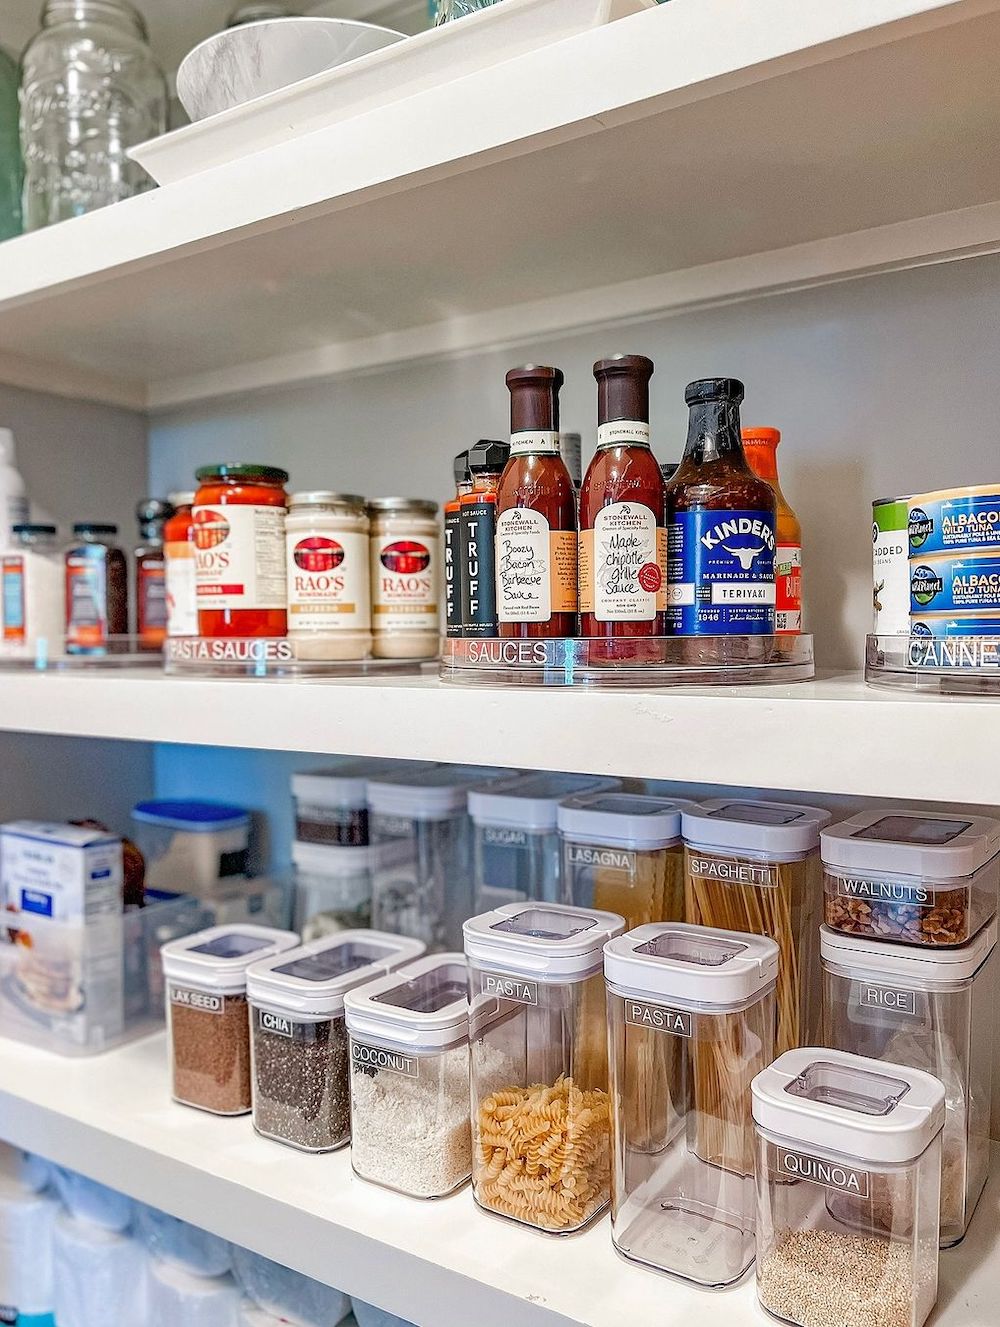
(424, 1005)
(314, 978)
(347, 784)
(775, 828)
(867, 1109)
(217, 959)
(434, 794)
(924, 964)
(530, 801)
(330, 858)
(939, 845)
(542, 940)
(622, 820)
(695, 966)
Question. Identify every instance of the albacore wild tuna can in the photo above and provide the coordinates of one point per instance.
(890, 566)
(954, 520)
(951, 585)
(957, 626)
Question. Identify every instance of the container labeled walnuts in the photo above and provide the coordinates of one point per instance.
(299, 1039)
(207, 1022)
(917, 879)
(541, 1114)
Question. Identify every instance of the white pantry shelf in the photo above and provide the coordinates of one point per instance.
(698, 153)
(834, 735)
(441, 1264)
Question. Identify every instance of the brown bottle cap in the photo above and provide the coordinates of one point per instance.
(534, 393)
(623, 388)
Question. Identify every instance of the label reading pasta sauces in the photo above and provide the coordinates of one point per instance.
(733, 871)
(620, 574)
(583, 854)
(239, 556)
(404, 583)
(204, 1001)
(881, 891)
(535, 567)
(720, 573)
(368, 1057)
(887, 997)
(510, 988)
(328, 582)
(658, 1017)
(820, 1170)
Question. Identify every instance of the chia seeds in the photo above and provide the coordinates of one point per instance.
(301, 1091)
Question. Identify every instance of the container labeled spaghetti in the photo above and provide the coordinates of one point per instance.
(915, 878)
(405, 578)
(933, 1009)
(890, 567)
(848, 1182)
(329, 599)
(623, 853)
(754, 866)
(954, 520)
(541, 1113)
(970, 584)
(691, 1016)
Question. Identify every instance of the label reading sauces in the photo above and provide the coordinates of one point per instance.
(207, 1002)
(820, 1170)
(404, 583)
(328, 582)
(536, 567)
(510, 988)
(658, 1017)
(620, 573)
(239, 555)
(720, 573)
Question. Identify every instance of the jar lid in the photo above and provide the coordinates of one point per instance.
(326, 498)
(694, 966)
(181, 499)
(769, 827)
(330, 858)
(433, 794)
(622, 820)
(544, 941)
(94, 527)
(866, 1109)
(217, 959)
(314, 978)
(529, 801)
(268, 474)
(347, 784)
(938, 845)
(923, 963)
(411, 506)
(195, 817)
(424, 1005)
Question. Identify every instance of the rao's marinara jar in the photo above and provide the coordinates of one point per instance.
(239, 542)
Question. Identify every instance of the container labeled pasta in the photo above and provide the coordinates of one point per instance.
(541, 1113)
(933, 1009)
(754, 866)
(848, 1182)
(691, 1015)
(916, 878)
(624, 853)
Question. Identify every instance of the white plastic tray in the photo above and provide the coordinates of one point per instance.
(465, 46)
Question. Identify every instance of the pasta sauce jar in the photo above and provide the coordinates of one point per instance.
(239, 550)
(329, 601)
(405, 558)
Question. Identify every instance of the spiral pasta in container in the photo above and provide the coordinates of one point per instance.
(541, 1113)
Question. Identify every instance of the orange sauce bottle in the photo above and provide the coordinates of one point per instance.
(760, 446)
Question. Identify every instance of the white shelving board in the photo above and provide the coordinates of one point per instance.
(686, 156)
(834, 735)
(441, 1264)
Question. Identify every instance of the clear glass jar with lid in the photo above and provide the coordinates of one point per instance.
(329, 594)
(90, 90)
(405, 578)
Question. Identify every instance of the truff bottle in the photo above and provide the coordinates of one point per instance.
(453, 547)
(761, 449)
(477, 542)
(536, 546)
(720, 525)
(151, 574)
(622, 538)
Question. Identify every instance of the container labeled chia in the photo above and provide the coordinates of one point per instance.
(207, 1024)
(917, 879)
(298, 1036)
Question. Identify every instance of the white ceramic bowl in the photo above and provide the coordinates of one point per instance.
(233, 67)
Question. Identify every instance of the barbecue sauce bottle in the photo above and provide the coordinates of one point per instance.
(536, 545)
(477, 540)
(452, 547)
(720, 524)
(622, 537)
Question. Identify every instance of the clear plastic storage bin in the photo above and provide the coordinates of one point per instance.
(208, 1025)
(848, 1188)
(301, 1094)
(541, 1115)
(754, 866)
(935, 1010)
(333, 889)
(915, 878)
(515, 838)
(409, 1035)
(691, 1014)
(191, 844)
(331, 805)
(624, 853)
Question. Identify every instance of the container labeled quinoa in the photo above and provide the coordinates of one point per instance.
(301, 1094)
(209, 1032)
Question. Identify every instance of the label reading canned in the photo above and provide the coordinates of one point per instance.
(944, 522)
(204, 1001)
(510, 988)
(720, 573)
(658, 1017)
(371, 1058)
(239, 556)
(887, 997)
(882, 891)
(820, 1170)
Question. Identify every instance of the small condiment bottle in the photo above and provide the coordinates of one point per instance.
(96, 589)
(329, 591)
(178, 550)
(477, 542)
(760, 446)
(622, 539)
(536, 515)
(405, 578)
(32, 591)
(151, 574)
(453, 546)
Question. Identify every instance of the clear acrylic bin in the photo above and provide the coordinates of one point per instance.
(409, 1039)
(933, 1009)
(848, 1186)
(538, 1034)
(691, 1015)
(333, 889)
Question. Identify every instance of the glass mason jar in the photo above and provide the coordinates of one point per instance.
(90, 89)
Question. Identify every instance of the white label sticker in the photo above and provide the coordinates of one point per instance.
(659, 1018)
(404, 582)
(182, 591)
(623, 433)
(239, 557)
(626, 570)
(328, 581)
(204, 1001)
(371, 1058)
(510, 988)
(523, 551)
(539, 442)
(821, 1170)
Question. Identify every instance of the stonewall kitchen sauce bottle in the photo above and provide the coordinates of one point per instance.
(536, 548)
(622, 539)
(720, 524)
(760, 446)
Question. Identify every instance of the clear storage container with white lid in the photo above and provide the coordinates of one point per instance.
(422, 851)
(624, 852)
(918, 878)
(331, 805)
(691, 1019)
(409, 1038)
(934, 1009)
(301, 1094)
(208, 1026)
(333, 889)
(754, 866)
(515, 836)
(538, 1035)
(848, 1187)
